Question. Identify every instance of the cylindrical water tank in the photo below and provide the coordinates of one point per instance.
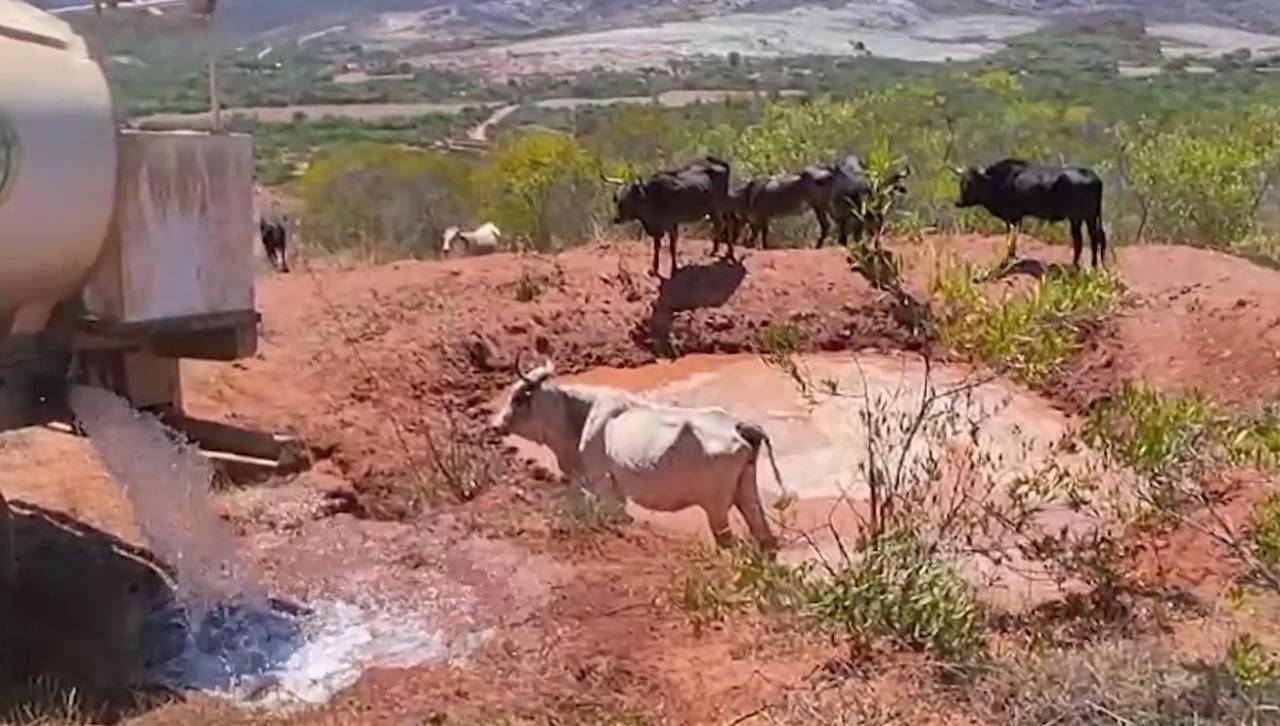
(57, 165)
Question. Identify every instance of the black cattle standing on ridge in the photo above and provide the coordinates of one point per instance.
(768, 198)
(1012, 189)
(850, 193)
(670, 198)
(274, 240)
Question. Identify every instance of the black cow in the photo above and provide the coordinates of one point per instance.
(1012, 189)
(761, 200)
(679, 196)
(850, 193)
(274, 239)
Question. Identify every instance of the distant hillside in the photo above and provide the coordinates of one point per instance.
(427, 26)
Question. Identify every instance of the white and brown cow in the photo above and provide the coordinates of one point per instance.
(482, 240)
(664, 458)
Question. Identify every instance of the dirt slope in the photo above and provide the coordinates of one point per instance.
(346, 353)
(366, 362)
(362, 358)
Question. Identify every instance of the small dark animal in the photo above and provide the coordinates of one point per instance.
(670, 198)
(274, 240)
(1012, 189)
(761, 200)
(850, 192)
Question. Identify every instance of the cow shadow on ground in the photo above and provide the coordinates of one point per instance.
(692, 287)
(1026, 266)
(76, 620)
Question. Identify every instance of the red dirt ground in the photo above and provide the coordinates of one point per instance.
(347, 353)
(373, 366)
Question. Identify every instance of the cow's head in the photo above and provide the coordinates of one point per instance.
(973, 186)
(627, 198)
(449, 235)
(627, 202)
(530, 408)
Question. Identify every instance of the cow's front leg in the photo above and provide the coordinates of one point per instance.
(614, 500)
(824, 225)
(657, 246)
(1011, 253)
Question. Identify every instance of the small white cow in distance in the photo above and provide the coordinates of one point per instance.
(664, 458)
(482, 240)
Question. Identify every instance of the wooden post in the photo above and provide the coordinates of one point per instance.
(215, 106)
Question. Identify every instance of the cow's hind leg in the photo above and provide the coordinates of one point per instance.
(672, 238)
(718, 520)
(1077, 242)
(717, 233)
(1097, 242)
(747, 500)
(657, 246)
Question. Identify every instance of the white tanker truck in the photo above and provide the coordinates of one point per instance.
(121, 251)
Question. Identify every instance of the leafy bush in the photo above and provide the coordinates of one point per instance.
(1266, 533)
(896, 589)
(385, 201)
(1205, 178)
(1250, 666)
(1030, 336)
(544, 187)
(1160, 436)
(901, 590)
(1256, 441)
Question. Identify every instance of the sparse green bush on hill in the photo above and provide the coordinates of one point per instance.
(1205, 178)
(1029, 335)
(543, 187)
(385, 201)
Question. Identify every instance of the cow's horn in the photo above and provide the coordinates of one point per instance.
(957, 171)
(612, 180)
(519, 371)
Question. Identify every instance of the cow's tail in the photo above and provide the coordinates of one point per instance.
(756, 436)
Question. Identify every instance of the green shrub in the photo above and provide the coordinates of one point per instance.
(1160, 436)
(1030, 336)
(1250, 666)
(1266, 532)
(1256, 441)
(900, 590)
(544, 187)
(385, 201)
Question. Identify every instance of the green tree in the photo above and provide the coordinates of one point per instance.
(386, 201)
(1204, 179)
(543, 186)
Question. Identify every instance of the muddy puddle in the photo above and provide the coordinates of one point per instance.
(820, 437)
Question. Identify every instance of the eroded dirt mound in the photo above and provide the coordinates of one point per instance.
(375, 361)
(1198, 320)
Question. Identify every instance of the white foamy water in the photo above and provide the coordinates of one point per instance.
(222, 635)
(167, 483)
(274, 660)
